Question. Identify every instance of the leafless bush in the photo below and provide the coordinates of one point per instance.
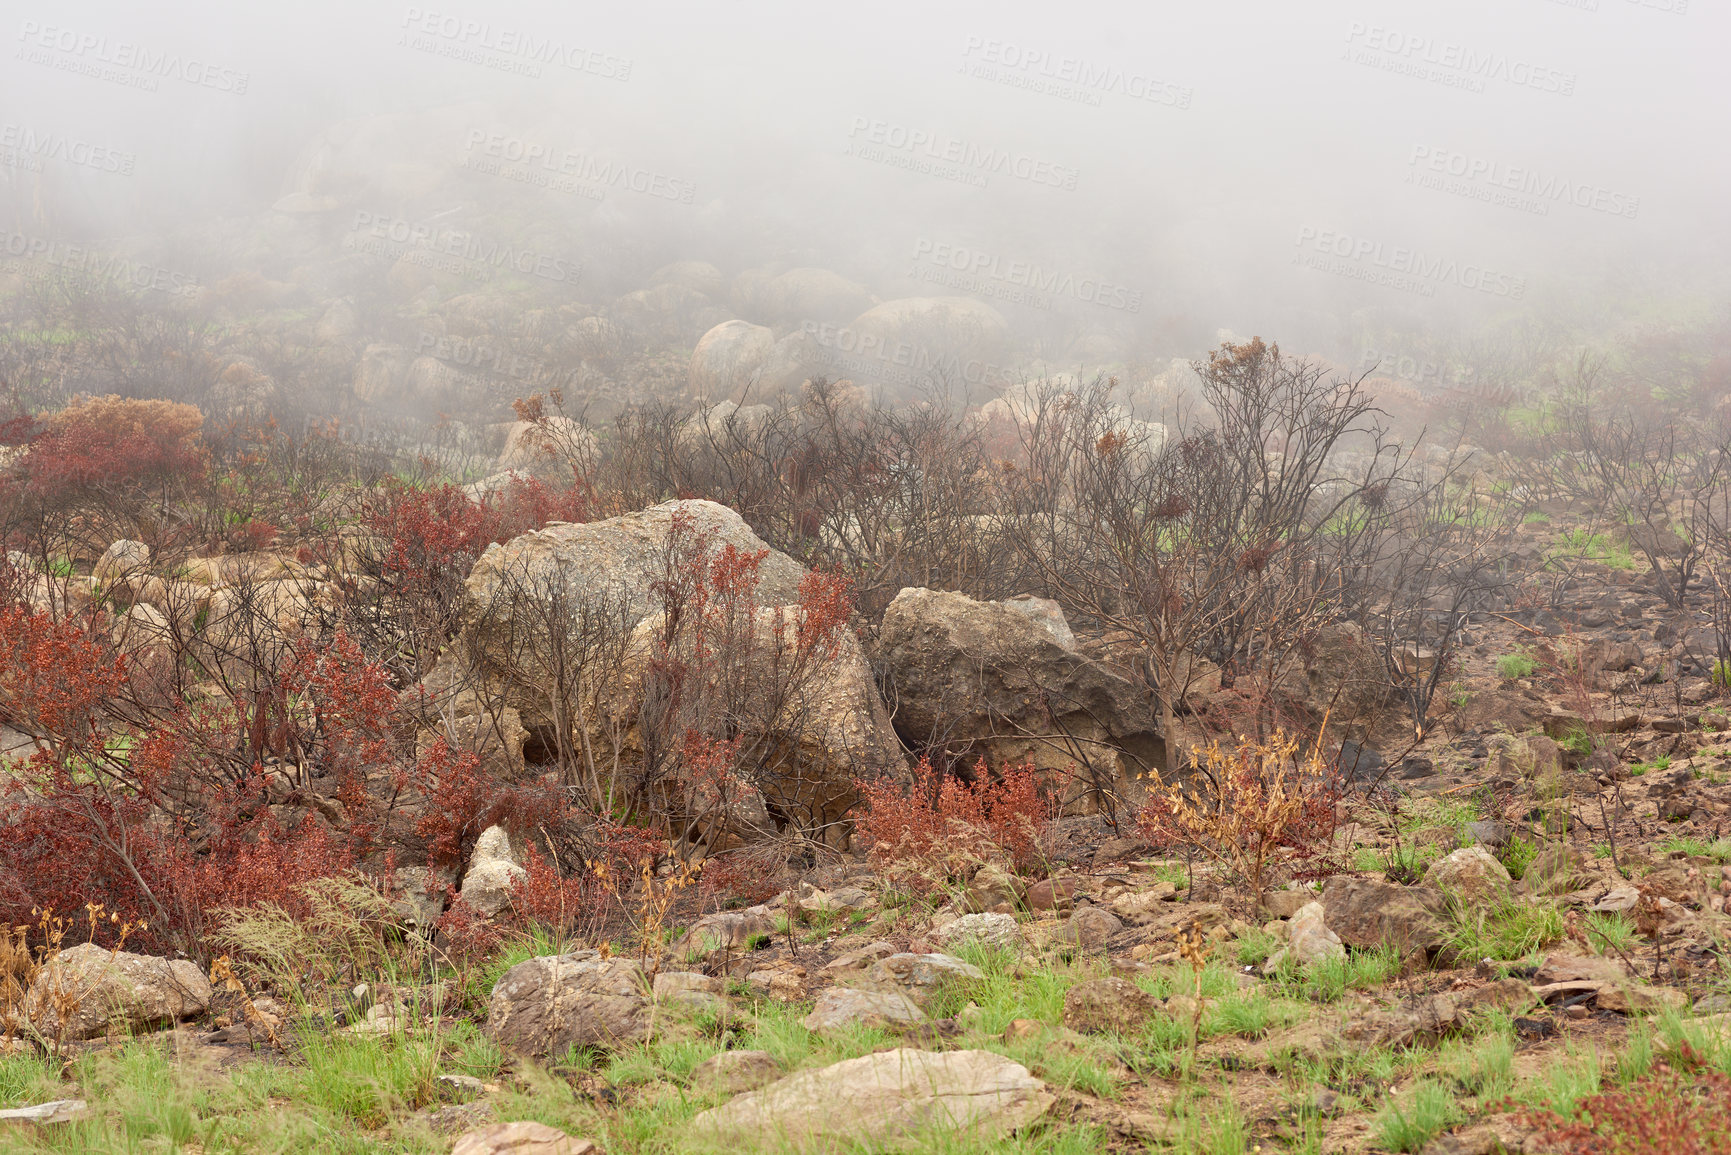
(1228, 541)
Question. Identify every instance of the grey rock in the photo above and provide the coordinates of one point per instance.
(730, 1072)
(921, 976)
(545, 1006)
(839, 1007)
(113, 990)
(879, 1099)
(987, 676)
(992, 930)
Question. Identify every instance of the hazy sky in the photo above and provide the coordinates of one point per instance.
(1266, 167)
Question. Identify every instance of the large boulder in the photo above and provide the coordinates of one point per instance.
(1340, 676)
(89, 990)
(957, 337)
(802, 295)
(819, 721)
(543, 1007)
(698, 276)
(726, 361)
(599, 568)
(549, 448)
(881, 1099)
(1003, 681)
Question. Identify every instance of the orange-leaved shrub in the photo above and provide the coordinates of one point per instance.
(1252, 807)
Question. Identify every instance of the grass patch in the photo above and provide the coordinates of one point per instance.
(1416, 1117)
(1508, 929)
(1516, 665)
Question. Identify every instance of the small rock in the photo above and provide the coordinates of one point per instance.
(839, 1007)
(730, 1072)
(1310, 940)
(1471, 873)
(1021, 1030)
(1052, 894)
(459, 1088)
(1089, 928)
(998, 931)
(58, 1111)
(521, 1138)
(1286, 903)
(1114, 1005)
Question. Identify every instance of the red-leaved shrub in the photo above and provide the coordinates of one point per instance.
(943, 824)
(115, 442)
(1669, 1112)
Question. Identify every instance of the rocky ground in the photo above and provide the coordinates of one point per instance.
(1358, 1015)
(1517, 914)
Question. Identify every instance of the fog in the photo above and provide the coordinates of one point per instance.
(1125, 184)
